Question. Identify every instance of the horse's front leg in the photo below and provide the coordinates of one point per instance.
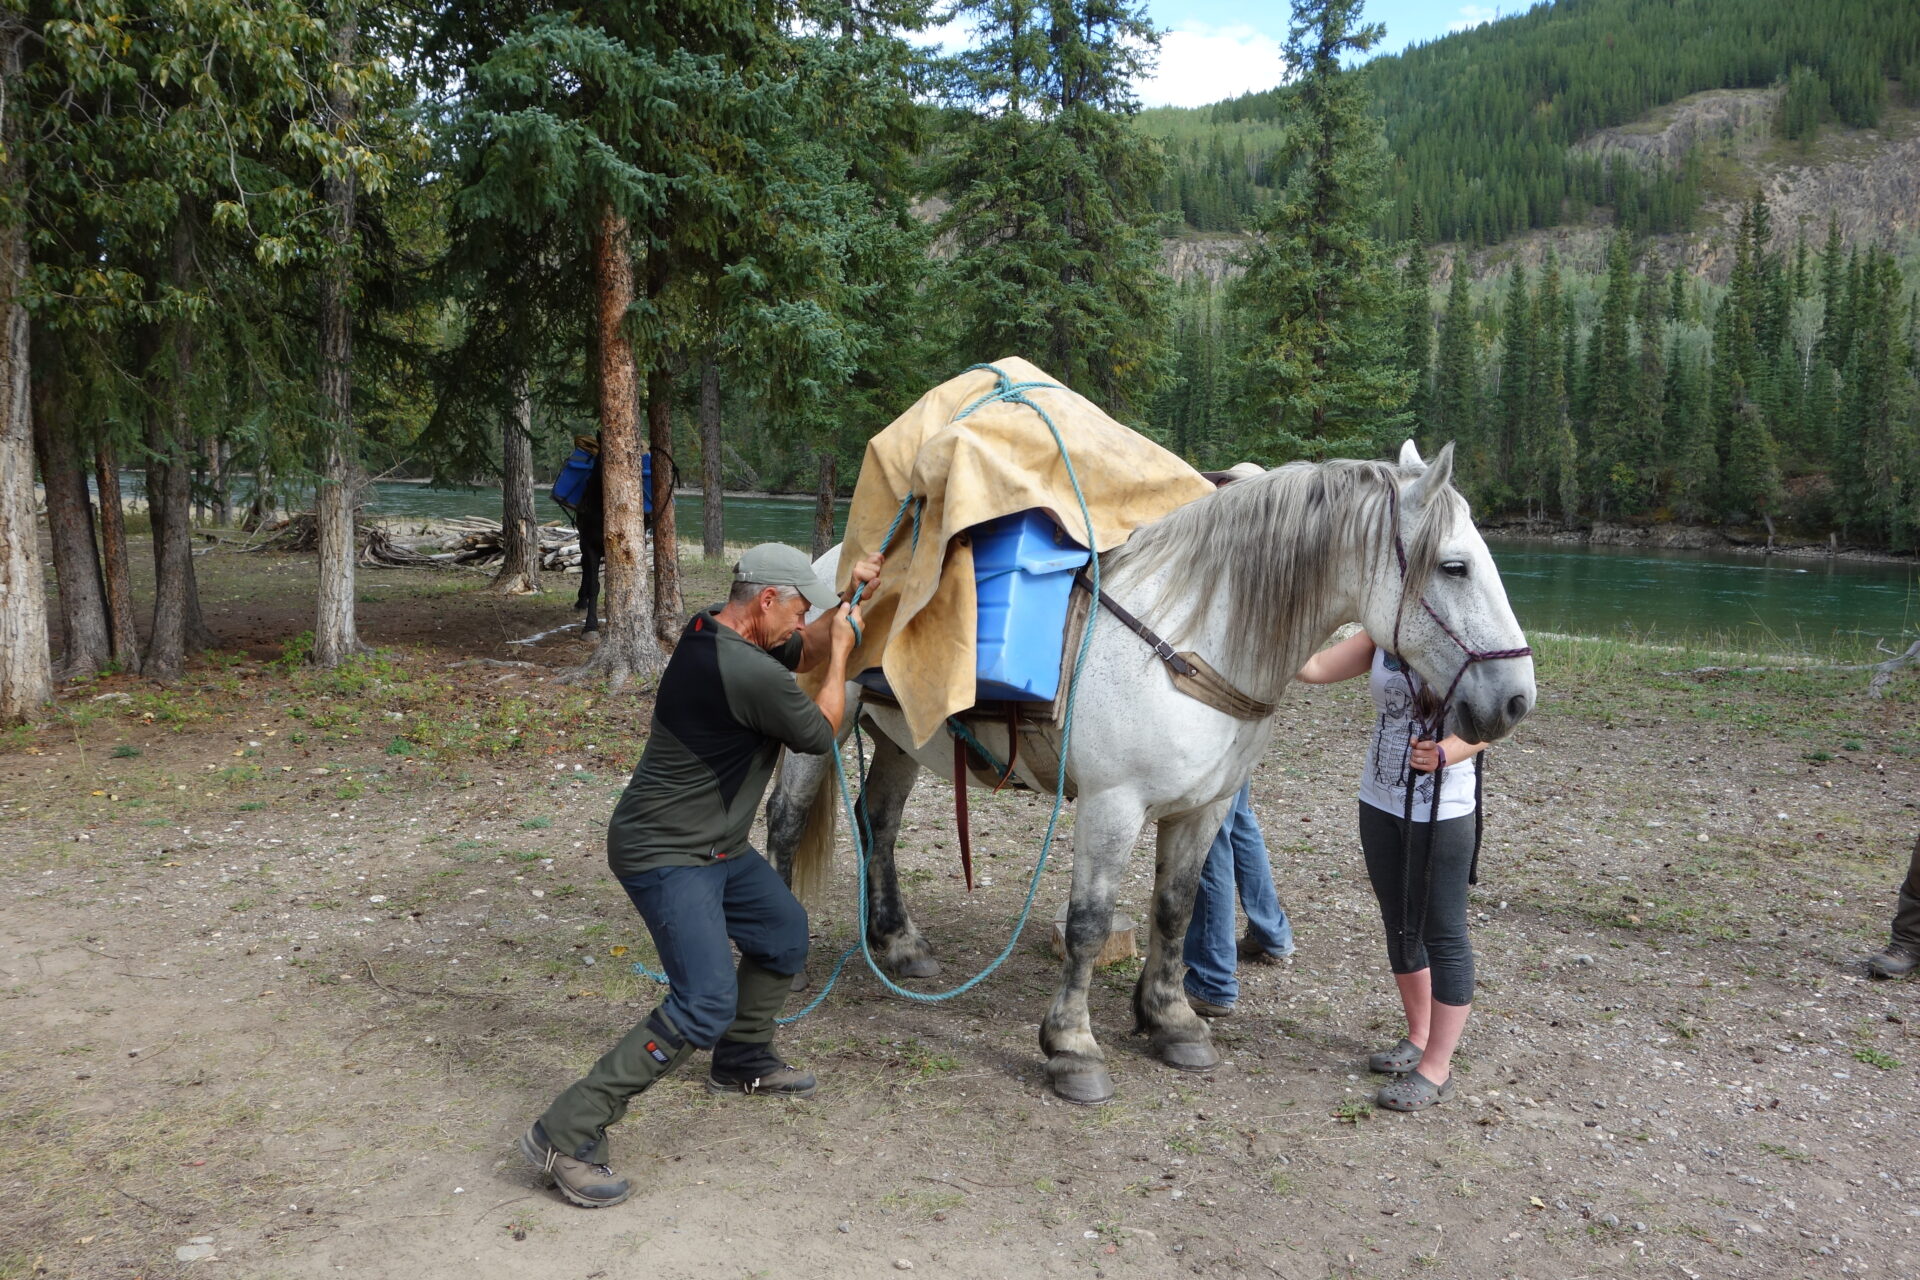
(1178, 1035)
(896, 941)
(1104, 831)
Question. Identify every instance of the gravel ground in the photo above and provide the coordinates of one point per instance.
(291, 960)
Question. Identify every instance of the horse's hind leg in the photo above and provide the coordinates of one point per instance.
(1103, 835)
(589, 587)
(1178, 1035)
(896, 941)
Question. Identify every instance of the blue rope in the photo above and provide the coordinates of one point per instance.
(1009, 392)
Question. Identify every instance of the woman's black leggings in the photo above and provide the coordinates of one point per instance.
(1431, 904)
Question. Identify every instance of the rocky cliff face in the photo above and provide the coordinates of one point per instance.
(1210, 256)
(1719, 121)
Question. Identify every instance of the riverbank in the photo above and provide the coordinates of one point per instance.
(1683, 537)
(294, 956)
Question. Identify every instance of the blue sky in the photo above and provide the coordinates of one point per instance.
(1214, 49)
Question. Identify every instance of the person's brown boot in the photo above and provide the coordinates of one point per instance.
(1897, 961)
(754, 1068)
(591, 1186)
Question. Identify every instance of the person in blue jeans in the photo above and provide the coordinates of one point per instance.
(1238, 858)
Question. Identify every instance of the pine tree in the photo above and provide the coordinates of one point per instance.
(1416, 335)
(1056, 255)
(1323, 377)
(1611, 473)
(1518, 334)
(1456, 376)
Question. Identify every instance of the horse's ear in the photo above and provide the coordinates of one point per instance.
(1410, 458)
(1430, 481)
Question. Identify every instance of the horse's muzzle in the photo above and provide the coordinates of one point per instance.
(1493, 698)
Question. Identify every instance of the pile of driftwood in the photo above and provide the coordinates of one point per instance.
(484, 543)
(377, 549)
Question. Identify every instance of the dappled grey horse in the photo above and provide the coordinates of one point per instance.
(1253, 578)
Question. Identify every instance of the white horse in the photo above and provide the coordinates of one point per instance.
(1253, 578)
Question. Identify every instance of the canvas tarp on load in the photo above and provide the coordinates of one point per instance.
(1000, 459)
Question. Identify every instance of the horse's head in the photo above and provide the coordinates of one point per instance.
(1435, 596)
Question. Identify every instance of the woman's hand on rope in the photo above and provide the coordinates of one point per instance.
(1426, 754)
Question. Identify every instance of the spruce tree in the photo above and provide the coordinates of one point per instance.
(1611, 476)
(1456, 376)
(1518, 337)
(1056, 256)
(1416, 335)
(1323, 376)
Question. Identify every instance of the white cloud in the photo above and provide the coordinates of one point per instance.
(1200, 64)
(1473, 15)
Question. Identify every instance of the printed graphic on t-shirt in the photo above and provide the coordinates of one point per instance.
(1392, 740)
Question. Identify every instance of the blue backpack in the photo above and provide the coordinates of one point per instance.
(570, 486)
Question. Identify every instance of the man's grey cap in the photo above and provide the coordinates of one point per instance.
(775, 564)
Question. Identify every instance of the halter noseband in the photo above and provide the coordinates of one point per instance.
(1473, 655)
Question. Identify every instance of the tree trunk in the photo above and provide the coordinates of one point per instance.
(627, 647)
(219, 468)
(178, 626)
(84, 647)
(335, 637)
(667, 611)
(113, 559)
(261, 505)
(26, 670)
(713, 522)
(519, 529)
(823, 504)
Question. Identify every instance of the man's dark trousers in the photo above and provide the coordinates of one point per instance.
(1906, 916)
(692, 912)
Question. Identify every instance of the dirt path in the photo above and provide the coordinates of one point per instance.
(291, 970)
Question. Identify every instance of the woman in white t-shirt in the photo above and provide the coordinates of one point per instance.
(1421, 883)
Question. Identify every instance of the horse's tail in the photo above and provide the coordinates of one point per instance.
(813, 851)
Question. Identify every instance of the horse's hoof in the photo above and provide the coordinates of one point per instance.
(1190, 1055)
(1080, 1080)
(920, 966)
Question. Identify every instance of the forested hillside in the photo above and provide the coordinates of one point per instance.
(1480, 123)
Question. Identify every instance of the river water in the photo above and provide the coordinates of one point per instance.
(1572, 589)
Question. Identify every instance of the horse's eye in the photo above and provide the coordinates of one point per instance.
(1454, 568)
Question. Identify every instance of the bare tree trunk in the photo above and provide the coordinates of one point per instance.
(260, 506)
(114, 560)
(667, 611)
(178, 625)
(84, 647)
(627, 647)
(713, 523)
(219, 466)
(823, 503)
(519, 529)
(335, 636)
(26, 670)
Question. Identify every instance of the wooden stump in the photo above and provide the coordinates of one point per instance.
(1120, 944)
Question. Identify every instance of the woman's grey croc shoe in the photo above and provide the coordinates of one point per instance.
(1396, 1061)
(1413, 1092)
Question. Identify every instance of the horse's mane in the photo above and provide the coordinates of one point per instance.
(1271, 543)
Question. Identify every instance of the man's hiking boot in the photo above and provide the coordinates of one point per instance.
(591, 1186)
(753, 1068)
(1897, 961)
(1208, 1008)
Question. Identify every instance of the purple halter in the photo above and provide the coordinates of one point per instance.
(1437, 723)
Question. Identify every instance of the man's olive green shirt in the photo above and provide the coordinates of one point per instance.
(724, 709)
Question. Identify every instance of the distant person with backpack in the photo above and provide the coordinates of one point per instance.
(678, 845)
